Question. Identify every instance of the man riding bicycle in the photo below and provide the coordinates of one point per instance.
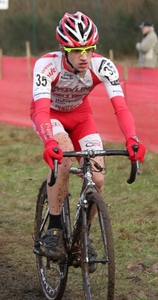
(62, 116)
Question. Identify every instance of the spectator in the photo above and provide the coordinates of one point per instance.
(147, 48)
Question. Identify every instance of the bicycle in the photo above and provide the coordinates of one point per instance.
(98, 272)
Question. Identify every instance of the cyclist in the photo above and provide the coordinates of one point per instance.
(62, 116)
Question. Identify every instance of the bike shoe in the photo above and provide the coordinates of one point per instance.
(53, 243)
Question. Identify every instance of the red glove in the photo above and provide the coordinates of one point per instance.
(133, 156)
(49, 154)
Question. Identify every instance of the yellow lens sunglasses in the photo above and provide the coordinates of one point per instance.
(83, 50)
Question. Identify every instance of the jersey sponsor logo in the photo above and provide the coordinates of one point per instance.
(46, 67)
(93, 143)
(41, 94)
(66, 77)
(117, 91)
(63, 101)
(71, 90)
(46, 130)
(65, 108)
(65, 83)
(51, 72)
(67, 97)
(57, 100)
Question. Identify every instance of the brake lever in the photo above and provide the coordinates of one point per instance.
(135, 167)
(135, 149)
(54, 173)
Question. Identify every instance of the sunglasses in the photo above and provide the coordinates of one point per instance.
(82, 50)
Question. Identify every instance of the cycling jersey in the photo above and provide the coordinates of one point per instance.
(56, 89)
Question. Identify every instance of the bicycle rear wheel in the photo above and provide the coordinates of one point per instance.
(52, 275)
(99, 273)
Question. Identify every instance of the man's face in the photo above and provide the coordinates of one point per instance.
(145, 29)
(80, 58)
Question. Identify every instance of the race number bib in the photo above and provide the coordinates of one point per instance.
(108, 70)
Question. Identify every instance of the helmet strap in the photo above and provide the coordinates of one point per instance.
(76, 71)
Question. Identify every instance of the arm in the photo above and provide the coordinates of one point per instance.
(40, 110)
(41, 119)
(108, 74)
(147, 43)
(126, 123)
(124, 116)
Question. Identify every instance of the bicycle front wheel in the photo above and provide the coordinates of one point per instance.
(98, 271)
(52, 275)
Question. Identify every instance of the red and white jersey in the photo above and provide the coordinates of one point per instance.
(56, 90)
(67, 90)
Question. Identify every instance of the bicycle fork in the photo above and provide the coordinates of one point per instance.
(85, 231)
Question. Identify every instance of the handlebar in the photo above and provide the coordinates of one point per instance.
(135, 167)
(54, 173)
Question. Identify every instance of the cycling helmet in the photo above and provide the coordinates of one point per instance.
(76, 30)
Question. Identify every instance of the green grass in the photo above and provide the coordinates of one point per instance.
(133, 210)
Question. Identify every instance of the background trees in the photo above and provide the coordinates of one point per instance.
(35, 21)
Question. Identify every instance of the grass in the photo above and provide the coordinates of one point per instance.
(133, 210)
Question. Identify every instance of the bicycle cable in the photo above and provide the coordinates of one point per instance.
(98, 168)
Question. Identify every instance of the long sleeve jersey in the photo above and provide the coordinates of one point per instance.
(55, 87)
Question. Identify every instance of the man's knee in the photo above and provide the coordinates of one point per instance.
(99, 181)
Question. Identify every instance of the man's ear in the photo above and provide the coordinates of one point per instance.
(61, 48)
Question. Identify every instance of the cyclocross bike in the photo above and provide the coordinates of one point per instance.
(98, 271)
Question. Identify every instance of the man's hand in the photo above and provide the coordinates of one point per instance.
(49, 154)
(139, 155)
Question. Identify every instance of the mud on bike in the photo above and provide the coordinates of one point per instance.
(98, 271)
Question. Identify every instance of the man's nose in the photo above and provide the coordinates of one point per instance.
(84, 55)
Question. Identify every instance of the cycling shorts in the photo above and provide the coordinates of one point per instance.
(80, 126)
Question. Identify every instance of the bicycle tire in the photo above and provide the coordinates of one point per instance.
(98, 277)
(52, 275)
(66, 221)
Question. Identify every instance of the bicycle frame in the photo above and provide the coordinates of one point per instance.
(93, 259)
(88, 186)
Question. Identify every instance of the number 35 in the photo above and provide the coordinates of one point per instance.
(41, 80)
